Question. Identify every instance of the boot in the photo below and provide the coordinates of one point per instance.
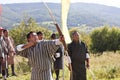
(7, 74)
(3, 75)
(12, 68)
(57, 74)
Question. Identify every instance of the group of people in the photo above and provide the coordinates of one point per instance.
(7, 52)
(43, 54)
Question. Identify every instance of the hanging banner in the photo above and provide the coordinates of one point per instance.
(65, 9)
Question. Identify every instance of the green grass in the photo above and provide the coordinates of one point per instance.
(104, 67)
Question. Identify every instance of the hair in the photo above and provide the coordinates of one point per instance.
(53, 36)
(74, 32)
(39, 33)
(28, 35)
(4, 30)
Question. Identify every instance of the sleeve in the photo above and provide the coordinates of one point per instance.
(69, 53)
(87, 53)
(61, 51)
(51, 46)
(20, 51)
(19, 47)
(69, 50)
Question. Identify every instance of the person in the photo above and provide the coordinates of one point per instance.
(11, 51)
(58, 63)
(38, 52)
(3, 54)
(78, 53)
(40, 35)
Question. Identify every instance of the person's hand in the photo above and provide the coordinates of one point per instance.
(69, 67)
(32, 43)
(61, 38)
(88, 66)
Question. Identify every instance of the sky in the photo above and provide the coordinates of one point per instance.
(115, 3)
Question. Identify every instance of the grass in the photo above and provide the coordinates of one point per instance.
(104, 67)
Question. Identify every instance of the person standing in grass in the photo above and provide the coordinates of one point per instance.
(3, 55)
(78, 53)
(38, 52)
(11, 51)
(58, 63)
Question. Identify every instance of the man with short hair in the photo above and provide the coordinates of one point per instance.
(38, 52)
(11, 51)
(40, 35)
(78, 53)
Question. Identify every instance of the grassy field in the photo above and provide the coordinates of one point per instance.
(104, 67)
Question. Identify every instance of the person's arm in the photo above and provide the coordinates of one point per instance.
(22, 49)
(87, 57)
(69, 57)
(53, 45)
(25, 46)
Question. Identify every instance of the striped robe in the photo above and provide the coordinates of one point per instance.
(39, 57)
(3, 47)
(3, 53)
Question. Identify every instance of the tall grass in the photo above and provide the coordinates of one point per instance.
(104, 67)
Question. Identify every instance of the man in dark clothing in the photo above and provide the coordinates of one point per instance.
(58, 63)
(78, 53)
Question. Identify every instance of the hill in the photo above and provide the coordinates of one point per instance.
(92, 15)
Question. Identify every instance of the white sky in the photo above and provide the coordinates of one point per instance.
(115, 3)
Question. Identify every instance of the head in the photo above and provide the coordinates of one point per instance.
(40, 35)
(6, 32)
(53, 36)
(32, 36)
(75, 36)
(1, 31)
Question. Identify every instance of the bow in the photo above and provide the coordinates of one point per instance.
(57, 26)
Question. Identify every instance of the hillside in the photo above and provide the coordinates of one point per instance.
(80, 13)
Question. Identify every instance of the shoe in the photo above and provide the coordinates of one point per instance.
(57, 78)
(7, 75)
(14, 74)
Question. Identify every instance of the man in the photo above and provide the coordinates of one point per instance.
(78, 53)
(11, 51)
(3, 55)
(58, 63)
(38, 52)
(40, 35)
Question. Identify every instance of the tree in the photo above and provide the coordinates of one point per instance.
(19, 32)
(99, 40)
(113, 39)
(105, 39)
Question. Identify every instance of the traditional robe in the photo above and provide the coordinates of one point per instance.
(40, 59)
(3, 53)
(3, 48)
(58, 63)
(11, 51)
(77, 52)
